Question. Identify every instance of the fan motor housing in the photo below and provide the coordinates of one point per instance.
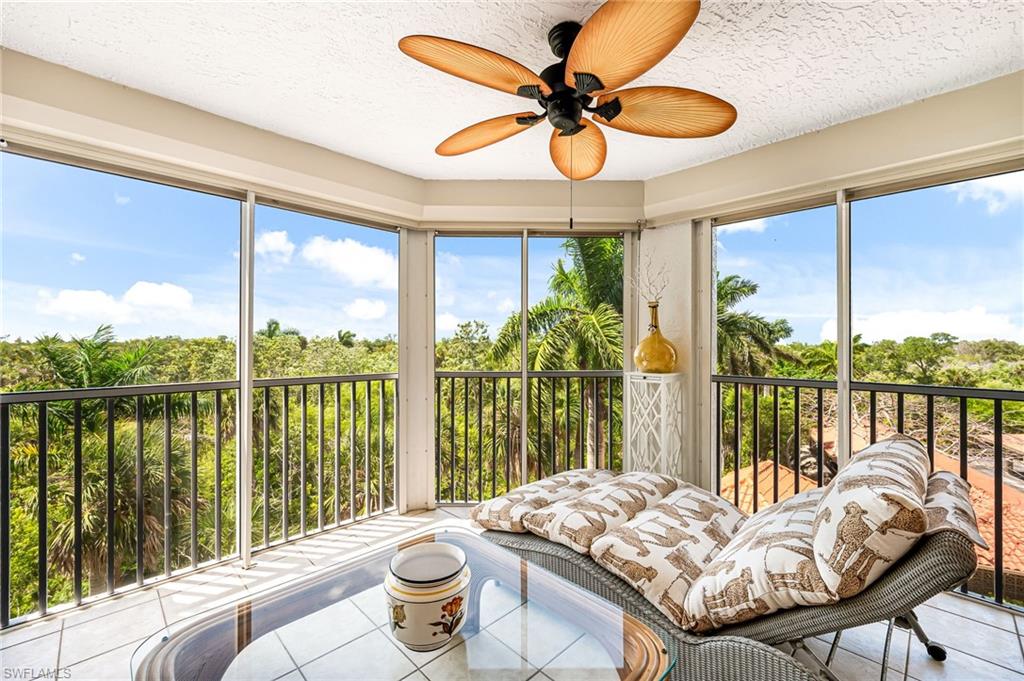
(565, 105)
(562, 36)
(565, 111)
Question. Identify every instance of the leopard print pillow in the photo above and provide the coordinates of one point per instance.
(948, 507)
(579, 521)
(768, 566)
(662, 550)
(871, 514)
(506, 512)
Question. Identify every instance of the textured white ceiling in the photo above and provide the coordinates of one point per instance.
(331, 74)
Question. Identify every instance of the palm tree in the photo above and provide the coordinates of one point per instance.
(747, 343)
(273, 330)
(346, 338)
(94, 495)
(99, 361)
(823, 359)
(578, 325)
(91, 362)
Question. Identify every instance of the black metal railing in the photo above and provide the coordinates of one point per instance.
(574, 420)
(103, 489)
(768, 426)
(334, 462)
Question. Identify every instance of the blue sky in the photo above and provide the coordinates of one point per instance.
(478, 278)
(80, 248)
(948, 258)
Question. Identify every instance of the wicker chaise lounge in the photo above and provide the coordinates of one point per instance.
(748, 652)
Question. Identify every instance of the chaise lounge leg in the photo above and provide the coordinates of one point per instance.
(833, 648)
(936, 651)
(822, 667)
(885, 650)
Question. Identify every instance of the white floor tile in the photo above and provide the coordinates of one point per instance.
(323, 631)
(496, 602)
(97, 636)
(536, 634)
(110, 666)
(29, 631)
(990, 643)
(481, 658)
(106, 606)
(32, 658)
(461, 512)
(180, 605)
(869, 641)
(958, 666)
(846, 665)
(264, 659)
(373, 604)
(584, 660)
(369, 657)
(971, 609)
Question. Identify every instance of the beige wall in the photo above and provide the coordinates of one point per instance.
(56, 108)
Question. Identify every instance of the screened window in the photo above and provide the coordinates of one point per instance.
(325, 296)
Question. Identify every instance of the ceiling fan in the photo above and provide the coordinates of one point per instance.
(621, 41)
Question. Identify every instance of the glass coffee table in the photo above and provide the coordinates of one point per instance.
(522, 622)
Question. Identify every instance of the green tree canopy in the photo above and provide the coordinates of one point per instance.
(579, 324)
(747, 343)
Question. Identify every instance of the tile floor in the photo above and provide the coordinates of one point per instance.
(516, 642)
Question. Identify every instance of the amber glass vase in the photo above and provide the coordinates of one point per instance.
(655, 354)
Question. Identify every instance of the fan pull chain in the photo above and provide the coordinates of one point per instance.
(572, 171)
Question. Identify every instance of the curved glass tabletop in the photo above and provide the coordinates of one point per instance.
(334, 625)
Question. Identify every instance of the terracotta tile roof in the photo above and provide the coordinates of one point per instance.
(765, 483)
(982, 497)
(983, 500)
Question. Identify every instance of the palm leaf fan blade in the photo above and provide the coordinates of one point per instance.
(624, 39)
(471, 63)
(485, 133)
(579, 156)
(669, 112)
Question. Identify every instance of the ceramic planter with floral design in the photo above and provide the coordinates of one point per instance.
(427, 589)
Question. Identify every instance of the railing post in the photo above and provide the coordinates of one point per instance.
(705, 397)
(524, 359)
(844, 359)
(416, 481)
(5, 515)
(243, 416)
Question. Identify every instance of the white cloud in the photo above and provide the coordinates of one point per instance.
(143, 299)
(363, 308)
(446, 322)
(145, 295)
(82, 304)
(353, 261)
(77, 258)
(738, 262)
(507, 305)
(998, 192)
(973, 323)
(274, 246)
(757, 225)
(122, 200)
